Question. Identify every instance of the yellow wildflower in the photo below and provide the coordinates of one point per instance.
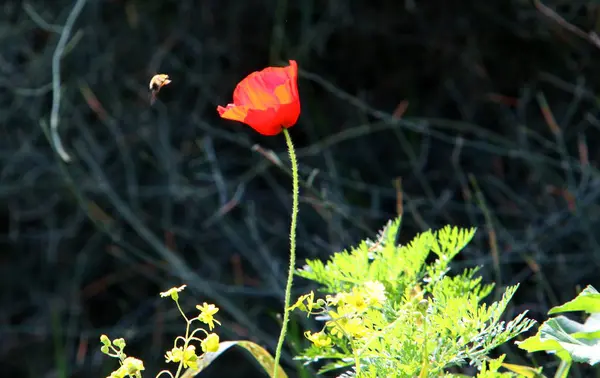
(374, 293)
(337, 323)
(334, 300)
(355, 327)
(355, 301)
(352, 326)
(173, 292)
(189, 357)
(320, 339)
(211, 343)
(131, 367)
(206, 314)
(308, 307)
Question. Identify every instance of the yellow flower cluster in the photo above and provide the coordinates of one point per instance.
(372, 293)
(130, 367)
(210, 343)
(346, 323)
(347, 317)
(184, 355)
(207, 311)
(188, 356)
(320, 339)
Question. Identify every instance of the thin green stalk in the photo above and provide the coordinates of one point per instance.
(288, 286)
(187, 337)
(563, 369)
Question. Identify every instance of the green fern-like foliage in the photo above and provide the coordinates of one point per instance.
(387, 312)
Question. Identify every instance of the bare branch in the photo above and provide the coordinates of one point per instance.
(56, 87)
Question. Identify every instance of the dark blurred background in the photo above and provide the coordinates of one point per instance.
(467, 113)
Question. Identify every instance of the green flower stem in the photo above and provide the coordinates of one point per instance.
(187, 339)
(288, 286)
(563, 369)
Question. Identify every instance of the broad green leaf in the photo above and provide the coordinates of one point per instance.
(259, 353)
(588, 300)
(590, 329)
(557, 336)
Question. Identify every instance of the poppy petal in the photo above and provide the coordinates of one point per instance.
(249, 93)
(289, 114)
(265, 122)
(266, 100)
(283, 94)
(232, 112)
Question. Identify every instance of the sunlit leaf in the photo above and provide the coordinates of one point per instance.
(259, 353)
(557, 336)
(588, 300)
(525, 371)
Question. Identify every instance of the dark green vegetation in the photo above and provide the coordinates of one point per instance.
(501, 132)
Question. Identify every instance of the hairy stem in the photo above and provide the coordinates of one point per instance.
(288, 286)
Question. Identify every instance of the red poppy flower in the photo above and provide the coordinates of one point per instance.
(266, 100)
